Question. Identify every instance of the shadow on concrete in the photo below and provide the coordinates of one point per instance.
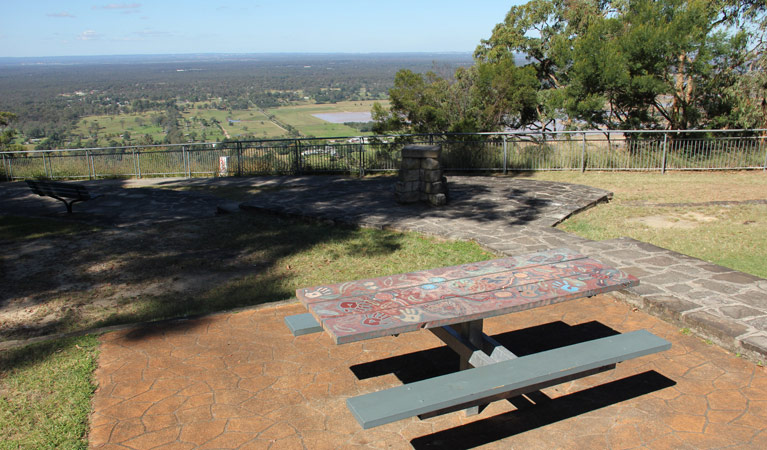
(545, 411)
(438, 361)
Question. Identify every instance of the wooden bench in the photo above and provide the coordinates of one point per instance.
(61, 191)
(452, 303)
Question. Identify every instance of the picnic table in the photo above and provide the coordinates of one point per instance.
(452, 303)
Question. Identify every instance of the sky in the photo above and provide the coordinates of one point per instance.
(32, 28)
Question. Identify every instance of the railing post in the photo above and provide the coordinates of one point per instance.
(765, 155)
(583, 154)
(505, 155)
(5, 169)
(239, 158)
(45, 166)
(665, 152)
(188, 163)
(88, 163)
(362, 156)
(135, 163)
(183, 160)
(298, 157)
(138, 163)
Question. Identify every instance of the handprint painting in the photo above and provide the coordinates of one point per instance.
(400, 303)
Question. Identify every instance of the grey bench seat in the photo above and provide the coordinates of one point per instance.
(505, 379)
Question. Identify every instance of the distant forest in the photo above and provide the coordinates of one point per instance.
(50, 95)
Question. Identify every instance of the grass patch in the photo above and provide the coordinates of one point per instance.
(20, 228)
(732, 235)
(279, 257)
(45, 393)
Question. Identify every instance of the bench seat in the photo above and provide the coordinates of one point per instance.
(61, 191)
(505, 379)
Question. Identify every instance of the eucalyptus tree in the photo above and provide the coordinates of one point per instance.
(636, 63)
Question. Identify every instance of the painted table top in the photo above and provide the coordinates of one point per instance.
(365, 309)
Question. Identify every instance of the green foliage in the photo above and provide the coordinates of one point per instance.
(485, 97)
(639, 63)
(7, 134)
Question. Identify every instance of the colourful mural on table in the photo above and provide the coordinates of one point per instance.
(408, 302)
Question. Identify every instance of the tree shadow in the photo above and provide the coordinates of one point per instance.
(191, 266)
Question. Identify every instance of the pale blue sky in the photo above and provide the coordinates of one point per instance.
(109, 27)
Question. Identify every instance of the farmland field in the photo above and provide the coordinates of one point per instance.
(301, 117)
(200, 124)
(240, 122)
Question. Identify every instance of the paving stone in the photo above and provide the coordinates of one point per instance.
(756, 344)
(717, 287)
(679, 288)
(720, 327)
(646, 289)
(690, 269)
(668, 306)
(636, 271)
(736, 277)
(754, 298)
(740, 311)
(624, 255)
(660, 261)
(649, 247)
(715, 268)
(759, 323)
(665, 278)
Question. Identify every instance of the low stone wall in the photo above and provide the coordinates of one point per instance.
(420, 176)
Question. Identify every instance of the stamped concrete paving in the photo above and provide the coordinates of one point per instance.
(242, 381)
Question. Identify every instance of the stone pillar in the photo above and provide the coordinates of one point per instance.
(420, 176)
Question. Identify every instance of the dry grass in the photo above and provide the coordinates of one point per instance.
(675, 211)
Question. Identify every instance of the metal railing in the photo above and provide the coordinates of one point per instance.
(487, 152)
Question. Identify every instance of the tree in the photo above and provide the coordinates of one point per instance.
(8, 134)
(631, 63)
(481, 98)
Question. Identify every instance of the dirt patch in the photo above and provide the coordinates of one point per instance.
(63, 283)
(686, 221)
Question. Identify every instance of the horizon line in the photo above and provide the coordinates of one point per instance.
(455, 52)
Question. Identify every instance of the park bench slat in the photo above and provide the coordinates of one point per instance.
(61, 191)
(373, 285)
(501, 380)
